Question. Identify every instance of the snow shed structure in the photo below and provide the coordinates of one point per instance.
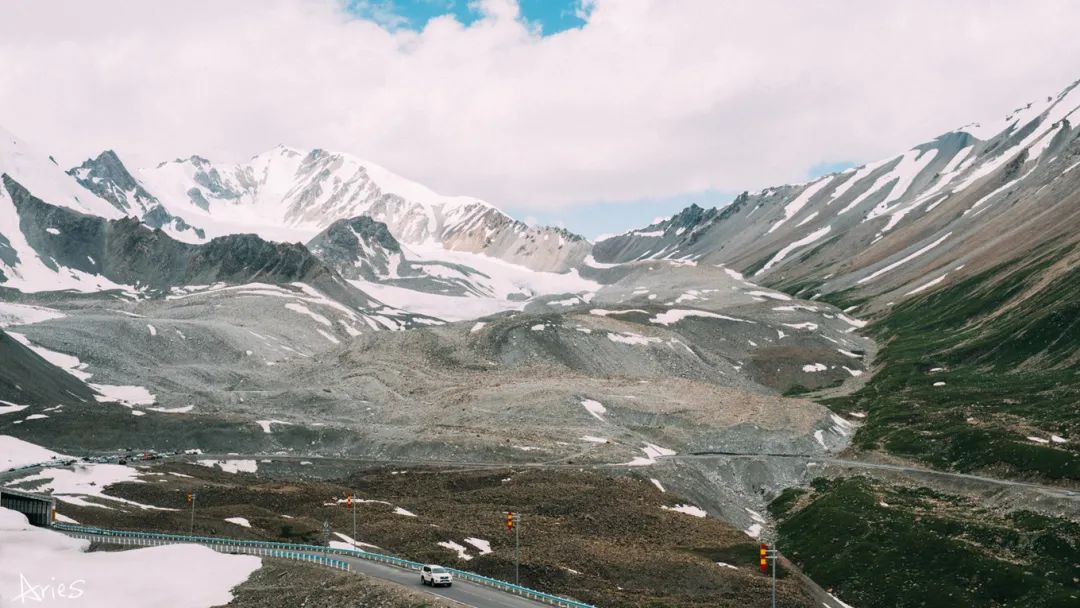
(38, 508)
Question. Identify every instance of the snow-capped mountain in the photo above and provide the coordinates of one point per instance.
(289, 195)
(945, 209)
(107, 177)
(63, 231)
(22, 265)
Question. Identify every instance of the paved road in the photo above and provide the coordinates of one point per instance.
(461, 592)
(1072, 494)
(465, 593)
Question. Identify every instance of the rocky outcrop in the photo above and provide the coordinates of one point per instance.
(359, 247)
(107, 177)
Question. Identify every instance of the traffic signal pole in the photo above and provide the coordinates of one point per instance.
(774, 577)
(765, 554)
(191, 528)
(513, 520)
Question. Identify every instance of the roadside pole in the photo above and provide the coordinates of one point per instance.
(352, 500)
(765, 554)
(774, 576)
(513, 520)
(191, 527)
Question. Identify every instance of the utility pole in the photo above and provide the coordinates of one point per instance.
(352, 501)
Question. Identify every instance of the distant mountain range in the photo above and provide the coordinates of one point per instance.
(943, 210)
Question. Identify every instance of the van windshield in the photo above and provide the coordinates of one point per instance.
(438, 570)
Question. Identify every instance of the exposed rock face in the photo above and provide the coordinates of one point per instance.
(108, 178)
(128, 253)
(359, 247)
(491, 232)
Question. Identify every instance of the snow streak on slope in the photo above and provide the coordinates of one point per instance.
(800, 201)
(783, 253)
(999, 192)
(507, 287)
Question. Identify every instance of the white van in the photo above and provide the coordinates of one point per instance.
(435, 575)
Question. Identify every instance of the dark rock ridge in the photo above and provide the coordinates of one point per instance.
(358, 247)
(127, 252)
(27, 379)
(364, 248)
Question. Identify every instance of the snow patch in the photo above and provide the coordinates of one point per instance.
(461, 551)
(675, 315)
(178, 576)
(231, 466)
(687, 509)
(265, 424)
(595, 408)
(483, 546)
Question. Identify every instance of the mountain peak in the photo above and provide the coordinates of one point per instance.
(107, 177)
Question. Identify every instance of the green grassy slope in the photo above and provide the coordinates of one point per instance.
(878, 544)
(1007, 342)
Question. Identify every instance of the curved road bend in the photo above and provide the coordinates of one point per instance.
(462, 592)
(465, 593)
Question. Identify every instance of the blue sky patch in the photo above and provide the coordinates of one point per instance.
(595, 219)
(552, 16)
(829, 167)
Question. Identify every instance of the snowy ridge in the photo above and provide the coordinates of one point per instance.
(857, 229)
(288, 195)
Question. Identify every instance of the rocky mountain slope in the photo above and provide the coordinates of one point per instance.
(945, 210)
(963, 252)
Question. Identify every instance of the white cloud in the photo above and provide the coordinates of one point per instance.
(651, 98)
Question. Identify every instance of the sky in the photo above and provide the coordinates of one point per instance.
(598, 115)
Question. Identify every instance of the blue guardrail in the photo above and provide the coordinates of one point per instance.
(303, 553)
